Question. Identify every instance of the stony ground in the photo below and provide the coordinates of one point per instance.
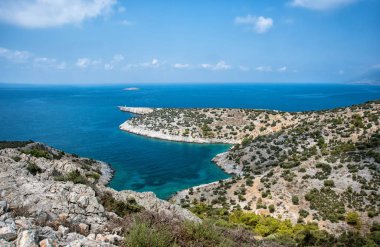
(318, 166)
(50, 198)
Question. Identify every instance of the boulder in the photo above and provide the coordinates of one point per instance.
(3, 207)
(27, 238)
(48, 243)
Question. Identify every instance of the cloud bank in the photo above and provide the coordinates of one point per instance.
(46, 13)
(259, 24)
(321, 4)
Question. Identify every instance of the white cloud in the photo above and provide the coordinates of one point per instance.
(321, 4)
(126, 23)
(15, 56)
(376, 66)
(259, 24)
(121, 9)
(44, 62)
(181, 66)
(86, 62)
(264, 68)
(25, 57)
(155, 63)
(45, 13)
(116, 60)
(282, 69)
(221, 65)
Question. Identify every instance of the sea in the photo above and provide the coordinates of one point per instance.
(85, 120)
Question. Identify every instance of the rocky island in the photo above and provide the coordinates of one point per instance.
(316, 168)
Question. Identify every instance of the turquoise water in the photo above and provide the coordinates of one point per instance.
(85, 120)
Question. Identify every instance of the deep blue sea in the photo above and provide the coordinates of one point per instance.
(85, 120)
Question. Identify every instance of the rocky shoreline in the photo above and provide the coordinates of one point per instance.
(50, 198)
(159, 135)
(307, 167)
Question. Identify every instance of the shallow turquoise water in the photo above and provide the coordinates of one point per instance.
(85, 120)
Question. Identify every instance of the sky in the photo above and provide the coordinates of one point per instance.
(140, 41)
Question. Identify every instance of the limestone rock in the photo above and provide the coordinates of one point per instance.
(27, 238)
(3, 207)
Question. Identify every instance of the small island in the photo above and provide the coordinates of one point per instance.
(131, 89)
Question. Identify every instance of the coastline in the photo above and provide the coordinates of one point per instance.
(158, 135)
(223, 163)
(136, 110)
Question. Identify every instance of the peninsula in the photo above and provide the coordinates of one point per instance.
(318, 167)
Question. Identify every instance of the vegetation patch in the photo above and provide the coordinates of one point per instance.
(33, 168)
(121, 208)
(327, 203)
(73, 176)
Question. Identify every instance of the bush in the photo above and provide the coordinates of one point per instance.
(353, 218)
(75, 177)
(327, 203)
(13, 144)
(33, 168)
(121, 208)
(303, 213)
(271, 208)
(38, 153)
(16, 158)
(93, 175)
(142, 235)
(295, 200)
(329, 183)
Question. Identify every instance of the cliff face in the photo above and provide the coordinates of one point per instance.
(48, 196)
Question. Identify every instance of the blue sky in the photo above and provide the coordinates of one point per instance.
(135, 41)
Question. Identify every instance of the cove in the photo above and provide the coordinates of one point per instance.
(84, 120)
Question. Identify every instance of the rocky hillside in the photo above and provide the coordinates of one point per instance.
(323, 169)
(317, 166)
(209, 125)
(50, 198)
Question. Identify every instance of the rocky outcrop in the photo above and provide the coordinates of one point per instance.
(126, 126)
(50, 198)
(136, 110)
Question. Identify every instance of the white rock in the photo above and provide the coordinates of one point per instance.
(3, 207)
(63, 230)
(27, 238)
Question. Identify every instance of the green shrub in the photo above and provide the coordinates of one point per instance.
(16, 158)
(271, 208)
(93, 175)
(33, 168)
(143, 235)
(295, 200)
(329, 183)
(327, 203)
(303, 213)
(38, 153)
(13, 144)
(353, 218)
(121, 208)
(75, 177)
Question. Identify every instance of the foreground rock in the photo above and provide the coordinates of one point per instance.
(50, 198)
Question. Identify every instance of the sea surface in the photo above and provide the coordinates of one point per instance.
(85, 121)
